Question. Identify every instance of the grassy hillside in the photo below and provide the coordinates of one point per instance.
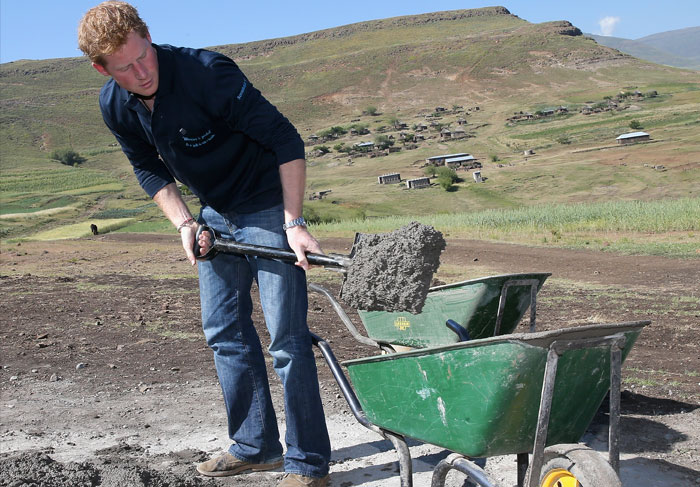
(481, 65)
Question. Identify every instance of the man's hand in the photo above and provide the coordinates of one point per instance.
(301, 241)
(188, 234)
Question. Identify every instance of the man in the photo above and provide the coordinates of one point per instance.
(193, 115)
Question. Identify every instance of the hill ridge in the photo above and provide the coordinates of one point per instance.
(366, 26)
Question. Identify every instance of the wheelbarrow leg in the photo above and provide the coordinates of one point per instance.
(523, 463)
(405, 466)
(550, 374)
(614, 425)
(455, 461)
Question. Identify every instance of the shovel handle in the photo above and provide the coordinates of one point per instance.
(197, 250)
(230, 246)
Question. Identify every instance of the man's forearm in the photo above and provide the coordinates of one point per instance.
(170, 201)
(175, 209)
(293, 177)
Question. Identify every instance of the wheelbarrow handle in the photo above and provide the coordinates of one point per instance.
(230, 246)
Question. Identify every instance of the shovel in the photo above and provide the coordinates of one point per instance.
(384, 272)
(230, 246)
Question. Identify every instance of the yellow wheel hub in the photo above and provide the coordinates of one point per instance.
(560, 477)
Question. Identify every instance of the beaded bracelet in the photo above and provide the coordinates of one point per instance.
(184, 224)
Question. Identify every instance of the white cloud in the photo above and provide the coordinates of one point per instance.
(608, 24)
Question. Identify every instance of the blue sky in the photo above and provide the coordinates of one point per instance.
(42, 29)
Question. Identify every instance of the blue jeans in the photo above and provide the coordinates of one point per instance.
(225, 284)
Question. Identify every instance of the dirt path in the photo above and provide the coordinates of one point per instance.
(103, 363)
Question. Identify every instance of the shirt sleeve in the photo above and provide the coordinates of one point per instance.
(150, 171)
(245, 109)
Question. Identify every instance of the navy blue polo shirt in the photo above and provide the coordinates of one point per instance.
(210, 129)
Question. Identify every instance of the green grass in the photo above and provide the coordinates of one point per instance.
(123, 212)
(577, 225)
(159, 225)
(97, 188)
(637, 216)
(78, 230)
(637, 381)
(30, 204)
(52, 180)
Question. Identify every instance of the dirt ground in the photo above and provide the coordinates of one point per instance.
(106, 379)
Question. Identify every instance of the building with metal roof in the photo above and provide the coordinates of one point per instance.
(632, 137)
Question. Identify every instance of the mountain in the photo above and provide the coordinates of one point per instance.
(681, 42)
(479, 66)
(679, 48)
(412, 62)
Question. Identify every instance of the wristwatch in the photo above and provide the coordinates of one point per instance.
(297, 222)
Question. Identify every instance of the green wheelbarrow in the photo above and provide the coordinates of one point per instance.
(484, 307)
(531, 394)
(478, 308)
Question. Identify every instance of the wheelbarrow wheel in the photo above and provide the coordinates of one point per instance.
(576, 465)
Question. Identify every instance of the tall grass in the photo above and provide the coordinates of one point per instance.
(616, 216)
(666, 227)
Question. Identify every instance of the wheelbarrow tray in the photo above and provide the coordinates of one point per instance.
(473, 304)
(481, 398)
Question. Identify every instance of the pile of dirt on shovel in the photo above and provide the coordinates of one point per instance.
(393, 271)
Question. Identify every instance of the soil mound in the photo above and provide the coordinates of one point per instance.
(38, 469)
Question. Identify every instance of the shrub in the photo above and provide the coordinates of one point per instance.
(332, 133)
(370, 110)
(430, 171)
(447, 173)
(360, 128)
(445, 182)
(322, 149)
(67, 156)
(383, 142)
(337, 130)
(310, 215)
(446, 177)
(494, 158)
(635, 125)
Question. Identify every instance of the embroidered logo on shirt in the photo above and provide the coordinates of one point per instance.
(198, 141)
(240, 93)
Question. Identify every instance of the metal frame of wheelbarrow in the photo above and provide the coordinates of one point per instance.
(533, 283)
(528, 473)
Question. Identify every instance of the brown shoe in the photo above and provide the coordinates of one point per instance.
(227, 464)
(296, 480)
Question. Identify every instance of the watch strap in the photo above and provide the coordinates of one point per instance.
(297, 222)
